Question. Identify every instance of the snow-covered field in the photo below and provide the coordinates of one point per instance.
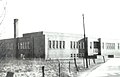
(33, 68)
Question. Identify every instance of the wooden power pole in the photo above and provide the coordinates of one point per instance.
(85, 46)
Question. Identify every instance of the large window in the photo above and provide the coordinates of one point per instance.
(110, 45)
(79, 45)
(63, 44)
(76, 44)
(49, 43)
(55, 44)
(73, 44)
(60, 42)
(21, 45)
(83, 45)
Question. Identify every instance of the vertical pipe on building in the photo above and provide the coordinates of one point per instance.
(15, 38)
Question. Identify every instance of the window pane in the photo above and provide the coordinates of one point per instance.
(23, 45)
(20, 45)
(53, 44)
(63, 44)
(90, 45)
(83, 45)
(49, 44)
(60, 44)
(71, 44)
(56, 44)
(74, 45)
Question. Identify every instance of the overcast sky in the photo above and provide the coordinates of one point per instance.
(102, 17)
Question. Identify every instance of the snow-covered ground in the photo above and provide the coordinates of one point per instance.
(109, 69)
(33, 68)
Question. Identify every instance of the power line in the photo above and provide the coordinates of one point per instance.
(3, 13)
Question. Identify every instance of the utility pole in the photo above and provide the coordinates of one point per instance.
(85, 46)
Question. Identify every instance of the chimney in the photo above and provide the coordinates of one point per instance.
(15, 52)
(15, 27)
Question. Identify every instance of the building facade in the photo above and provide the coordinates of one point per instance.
(47, 45)
(52, 45)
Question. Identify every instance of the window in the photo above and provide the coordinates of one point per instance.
(21, 45)
(71, 55)
(110, 45)
(77, 55)
(79, 45)
(63, 44)
(53, 44)
(56, 44)
(71, 44)
(49, 44)
(90, 45)
(60, 44)
(74, 44)
(96, 44)
(74, 55)
(83, 45)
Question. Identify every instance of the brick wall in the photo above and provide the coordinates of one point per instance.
(39, 47)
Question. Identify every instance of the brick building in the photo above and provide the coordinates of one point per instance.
(47, 45)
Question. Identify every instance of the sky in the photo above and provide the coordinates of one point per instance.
(102, 17)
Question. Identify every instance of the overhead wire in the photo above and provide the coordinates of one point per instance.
(2, 17)
(3, 13)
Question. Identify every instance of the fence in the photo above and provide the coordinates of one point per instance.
(42, 68)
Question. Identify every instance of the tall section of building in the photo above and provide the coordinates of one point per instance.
(52, 45)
